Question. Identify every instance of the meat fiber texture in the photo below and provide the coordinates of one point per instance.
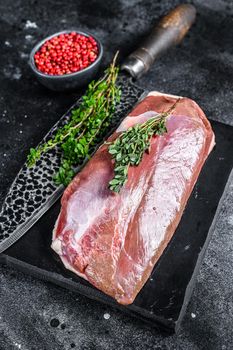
(114, 240)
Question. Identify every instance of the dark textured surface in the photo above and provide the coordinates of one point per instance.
(202, 69)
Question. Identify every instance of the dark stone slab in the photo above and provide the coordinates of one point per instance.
(163, 299)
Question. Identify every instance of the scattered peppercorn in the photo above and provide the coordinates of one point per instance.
(66, 53)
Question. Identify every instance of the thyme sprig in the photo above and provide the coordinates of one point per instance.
(87, 122)
(128, 149)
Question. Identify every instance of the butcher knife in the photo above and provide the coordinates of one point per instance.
(33, 191)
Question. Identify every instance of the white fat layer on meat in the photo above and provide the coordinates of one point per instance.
(93, 207)
(212, 144)
(57, 247)
(132, 120)
(157, 93)
(55, 228)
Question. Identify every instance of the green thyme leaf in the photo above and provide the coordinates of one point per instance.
(128, 149)
(86, 126)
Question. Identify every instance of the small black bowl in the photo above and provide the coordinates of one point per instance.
(67, 81)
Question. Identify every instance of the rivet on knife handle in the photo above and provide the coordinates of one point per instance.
(169, 32)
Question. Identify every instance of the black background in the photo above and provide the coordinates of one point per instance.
(200, 68)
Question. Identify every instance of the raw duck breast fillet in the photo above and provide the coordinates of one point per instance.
(114, 240)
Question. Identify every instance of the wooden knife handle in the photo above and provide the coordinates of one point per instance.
(168, 32)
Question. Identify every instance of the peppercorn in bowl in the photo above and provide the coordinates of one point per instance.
(66, 60)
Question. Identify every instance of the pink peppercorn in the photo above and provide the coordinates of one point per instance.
(66, 53)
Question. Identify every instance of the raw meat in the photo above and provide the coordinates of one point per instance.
(114, 240)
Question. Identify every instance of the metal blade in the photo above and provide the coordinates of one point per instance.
(33, 191)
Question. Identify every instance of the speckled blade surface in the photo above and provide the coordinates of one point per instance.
(33, 191)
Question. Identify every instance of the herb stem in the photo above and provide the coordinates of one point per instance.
(87, 122)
